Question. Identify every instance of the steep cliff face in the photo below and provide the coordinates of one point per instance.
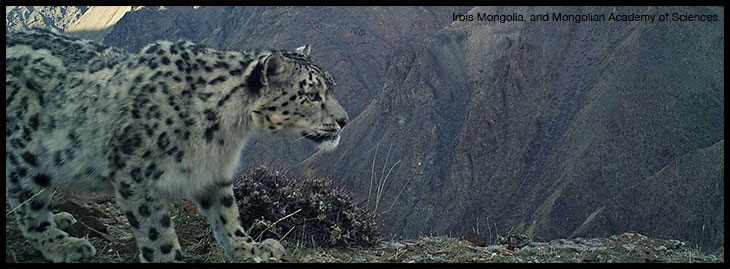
(97, 22)
(533, 126)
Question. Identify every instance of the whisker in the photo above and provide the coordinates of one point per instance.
(308, 135)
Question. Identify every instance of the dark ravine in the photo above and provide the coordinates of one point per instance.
(549, 129)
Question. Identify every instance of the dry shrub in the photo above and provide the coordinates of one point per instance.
(305, 210)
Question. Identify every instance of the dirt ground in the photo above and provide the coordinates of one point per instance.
(110, 233)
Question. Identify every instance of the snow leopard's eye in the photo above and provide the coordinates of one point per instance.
(313, 96)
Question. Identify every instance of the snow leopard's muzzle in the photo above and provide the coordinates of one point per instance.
(327, 134)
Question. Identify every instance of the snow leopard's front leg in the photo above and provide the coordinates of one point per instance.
(219, 206)
(148, 214)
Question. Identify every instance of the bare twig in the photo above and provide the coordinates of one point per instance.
(489, 228)
(274, 224)
(31, 198)
(385, 165)
(207, 256)
(287, 233)
(202, 238)
(372, 173)
(398, 254)
(477, 223)
(382, 175)
(401, 190)
(382, 186)
(480, 249)
(106, 236)
(104, 248)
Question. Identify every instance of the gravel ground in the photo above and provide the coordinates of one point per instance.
(110, 233)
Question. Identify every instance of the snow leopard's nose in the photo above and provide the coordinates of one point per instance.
(342, 122)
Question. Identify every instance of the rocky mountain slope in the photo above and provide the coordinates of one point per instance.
(88, 22)
(535, 127)
(552, 129)
(54, 17)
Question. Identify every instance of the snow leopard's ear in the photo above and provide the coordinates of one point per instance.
(304, 49)
(273, 65)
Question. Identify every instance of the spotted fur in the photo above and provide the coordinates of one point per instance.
(169, 121)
